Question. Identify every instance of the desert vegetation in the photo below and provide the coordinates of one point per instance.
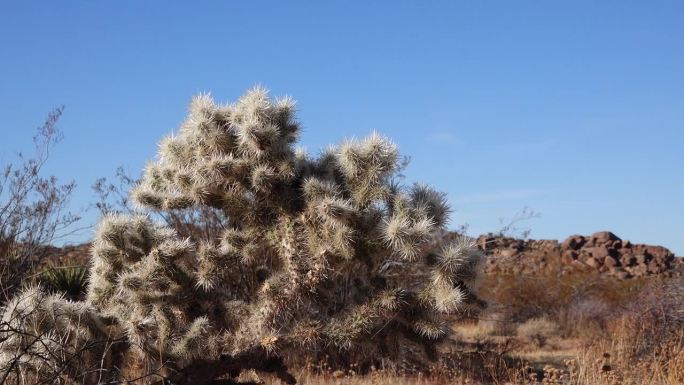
(317, 256)
(33, 209)
(239, 258)
(627, 332)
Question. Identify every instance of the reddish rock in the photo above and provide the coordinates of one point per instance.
(549, 244)
(603, 237)
(573, 242)
(628, 260)
(593, 262)
(579, 265)
(598, 252)
(654, 267)
(640, 259)
(610, 261)
(583, 255)
(485, 242)
(569, 256)
(508, 253)
(659, 253)
(517, 244)
(622, 275)
(603, 252)
(619, 272)
(639, 270)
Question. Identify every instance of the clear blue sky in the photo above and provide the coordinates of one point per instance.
(572, 108)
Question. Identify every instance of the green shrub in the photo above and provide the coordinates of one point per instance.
(72, 281)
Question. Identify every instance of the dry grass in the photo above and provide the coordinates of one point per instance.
(595, 331)
(537, 330)
(644, 345)
(530, 296)
(376, 378)
(604, 332)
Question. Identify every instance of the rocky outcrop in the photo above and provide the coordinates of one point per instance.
(602, 252)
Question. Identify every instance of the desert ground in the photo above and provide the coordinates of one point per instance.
(588, 310)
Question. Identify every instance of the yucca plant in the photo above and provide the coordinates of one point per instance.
(320, 255)
(72, 281)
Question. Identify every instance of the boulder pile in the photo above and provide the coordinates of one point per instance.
(602, 252)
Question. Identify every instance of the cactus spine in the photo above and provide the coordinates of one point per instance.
(325, 254)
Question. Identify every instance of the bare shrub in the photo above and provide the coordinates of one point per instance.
(585, 317)
(495, 321)
(529, 296)
(644, 342)
(33, 210)
(537, 330)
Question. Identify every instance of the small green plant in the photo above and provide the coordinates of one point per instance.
(72, 281)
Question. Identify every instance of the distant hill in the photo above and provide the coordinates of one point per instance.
(602, 252)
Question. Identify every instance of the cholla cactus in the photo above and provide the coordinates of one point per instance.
(321, 255)
(49, 339)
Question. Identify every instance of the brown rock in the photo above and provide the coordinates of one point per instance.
(619, 273)
(603, 252)
(517, 244)
(660, 253)
(654, 267)
(593, 262)
(639, 270)
(573, 242)
(568, 256)
(610, 261)
(628, 260)
(598, 252)
(622, 275)
(577, 264)
(603, 237)
(485, 242)
(508, 253)
(549, 245)
(583, 256)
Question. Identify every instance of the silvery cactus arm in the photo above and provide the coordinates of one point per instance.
(320, 255)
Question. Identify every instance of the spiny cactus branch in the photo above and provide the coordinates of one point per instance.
(324, 255)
